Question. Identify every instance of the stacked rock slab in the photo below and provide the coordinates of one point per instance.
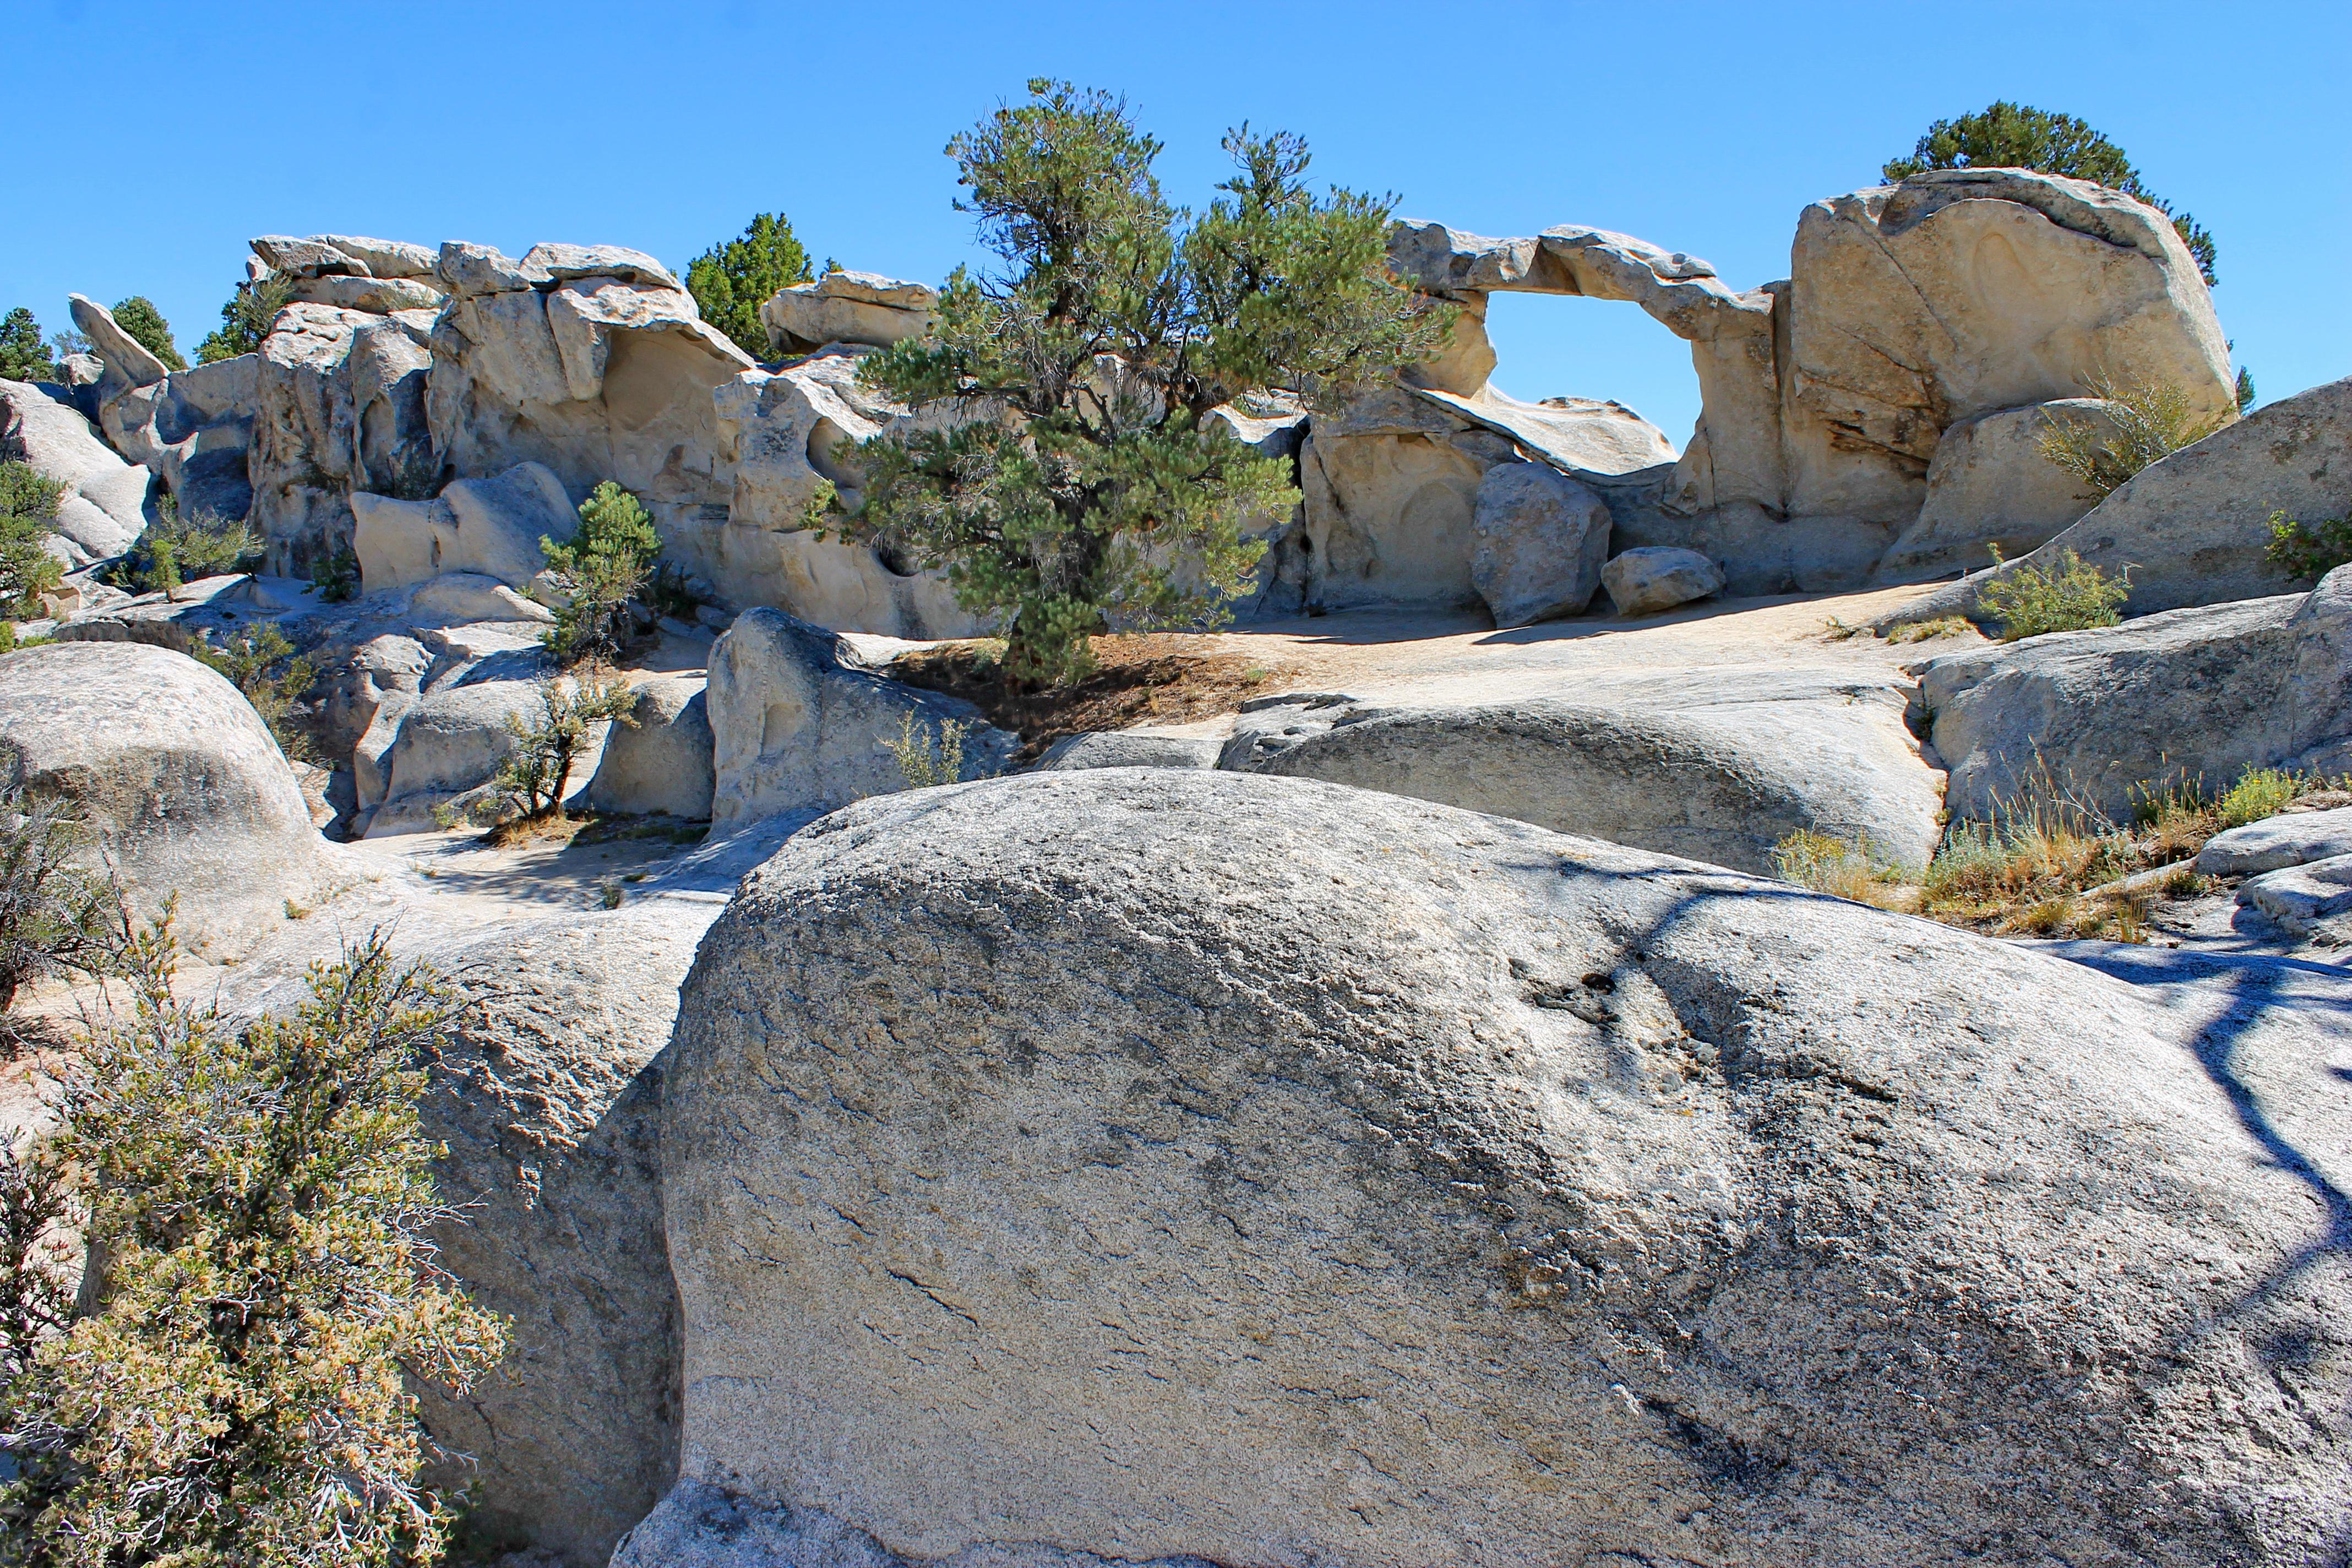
(1390, 1185)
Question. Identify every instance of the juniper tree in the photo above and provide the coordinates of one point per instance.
(247, 318)
(2011, 136)
(1083, 483)
(731, 280)
(608, 562)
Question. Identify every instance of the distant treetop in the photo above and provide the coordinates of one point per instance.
(730, 281)
(2013, 136)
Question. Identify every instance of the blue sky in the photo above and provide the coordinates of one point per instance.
(162, 135)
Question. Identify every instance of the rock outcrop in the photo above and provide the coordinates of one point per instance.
(106, 500)
(2099, 717)
(1044, 1163)
(1910, 311)
(182, 783)
(1717, 767)
(799, 722)
(488, 527)
(1990, 487)
(847, 308)
(2192, 528)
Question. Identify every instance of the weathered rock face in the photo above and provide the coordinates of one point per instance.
(490, 527)
(1989, 487)
(2098, 716)
(1651, 578)
(663, 763)
(1964, 290)
(847, 308)
(1044, 1163)
(799, 723)
(1713, 770)
(104, 508)
(788, 438)
(2193, 528)
(340, 408)
(182, 782)
(1540, 542)
(2295, 838)
(597, 375)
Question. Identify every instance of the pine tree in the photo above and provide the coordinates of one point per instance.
(730, 281)
(1117, 323)
(2011, 136)
(23, 356)
(246, 320)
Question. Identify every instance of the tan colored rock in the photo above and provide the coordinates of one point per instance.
(663, 763)
(376, 295)
(341, 403)
(1651, 578)
(1990, 487)
(1961, 292)
(847, 308)
(492, 527)
(104, 508)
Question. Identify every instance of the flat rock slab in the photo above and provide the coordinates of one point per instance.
(2296, 838)
(1716, 765)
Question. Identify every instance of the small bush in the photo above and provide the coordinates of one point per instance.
(53, 912)
(246, 319)
(237, 1386)
(531, 784)
(176, 550)
(2070, 596)
(28, 515)
(927, 757)
(2309, 549)
(336, 575)
(1927, 631)
(2260, 793)
(2151, 423)
(23, 356)
(260, 662)
(608, 563)
(1829, 865)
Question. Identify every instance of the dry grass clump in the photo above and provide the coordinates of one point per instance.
(1927, 631)
(2051, 866)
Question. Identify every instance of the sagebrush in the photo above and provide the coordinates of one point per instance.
(177, 549)
(2146, 423)
(2309, 549)
(233, 1387)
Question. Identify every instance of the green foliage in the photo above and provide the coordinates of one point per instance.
(139, 317)
(237, 1391)
(1085, 485)
(731, 280)
(2069, 596)
(2011, 136)
(246, 319)
(53, 913)
(2150, 424)
(2245, 392)
(2309, 549)
(176, 550)
(336, 575)
(531, 784)
(260, 662)
(23, 356)
(28, 514)
(927, 757)
(608, 562)
(2260, 793)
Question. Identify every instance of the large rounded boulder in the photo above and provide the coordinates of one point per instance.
(183, 784)
(1155, 1165)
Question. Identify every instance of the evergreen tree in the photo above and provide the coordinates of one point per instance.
(140, 317)
(730, 281)
(1086, 485)
(2011, 136)
(246, 319)
(23, 356)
